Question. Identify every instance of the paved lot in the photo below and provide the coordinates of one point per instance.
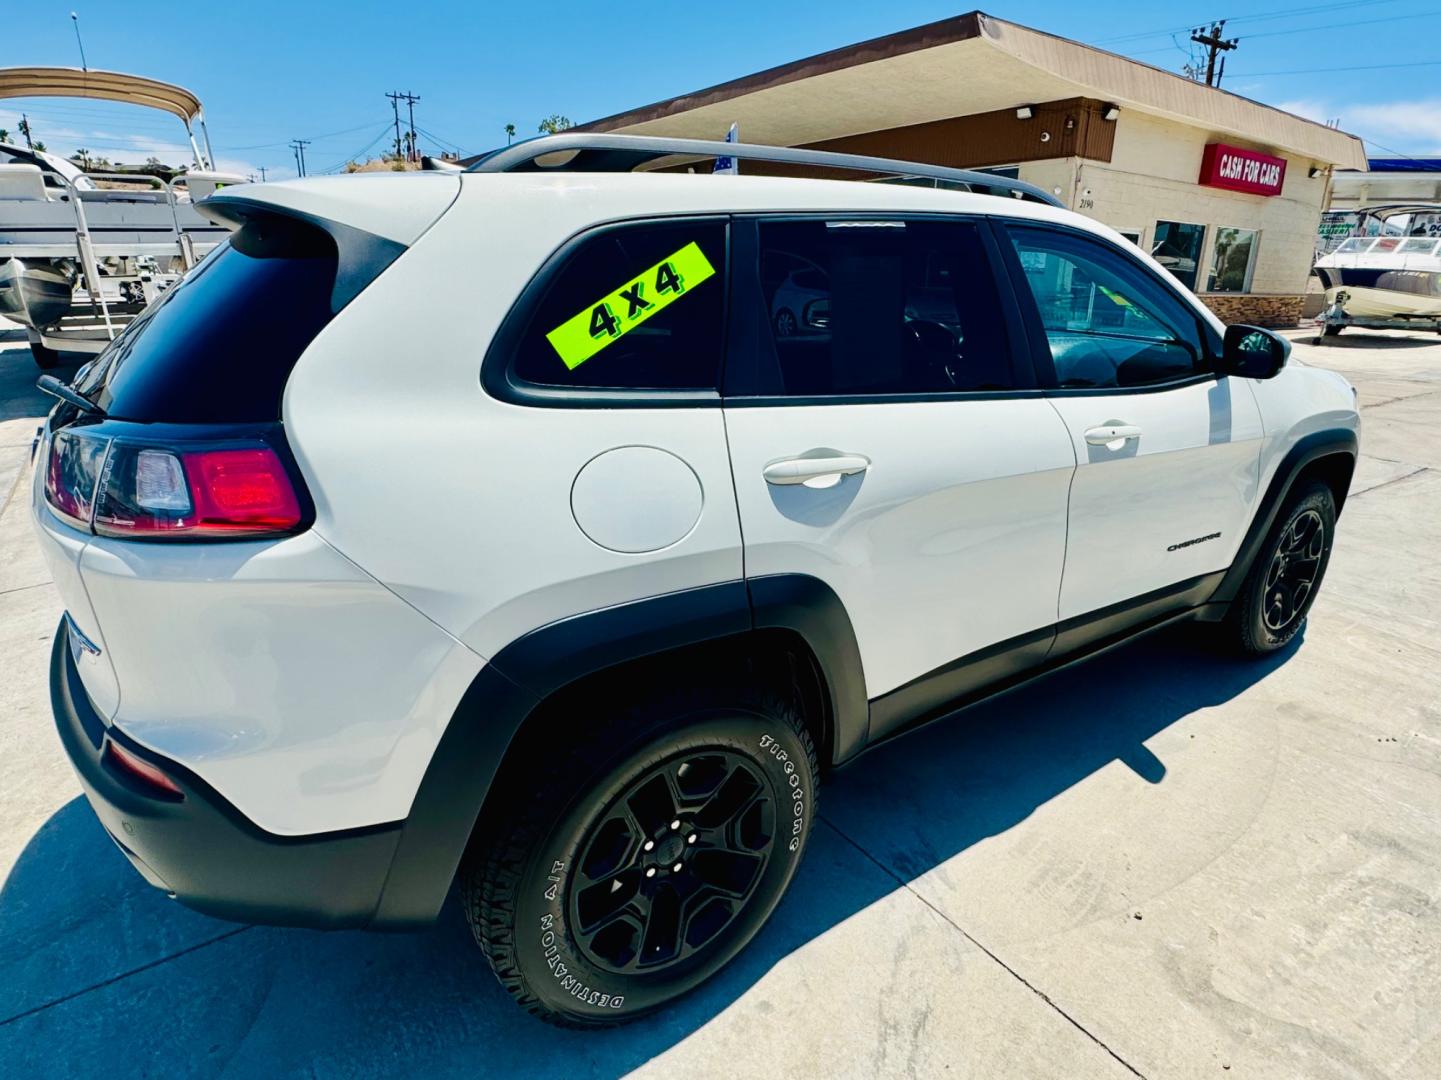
(1165, 863)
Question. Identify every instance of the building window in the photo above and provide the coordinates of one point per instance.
(1133, 235)
(1232, 259)
(1177, 247)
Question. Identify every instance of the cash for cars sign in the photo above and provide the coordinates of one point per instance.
(1236, 169)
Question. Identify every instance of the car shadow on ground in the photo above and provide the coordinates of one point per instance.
(85, 944)
(1351, 338)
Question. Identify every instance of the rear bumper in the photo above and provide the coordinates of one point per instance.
(204, 851)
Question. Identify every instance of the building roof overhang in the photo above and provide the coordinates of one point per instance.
(972, 63)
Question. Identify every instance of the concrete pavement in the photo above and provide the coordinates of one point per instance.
(1163, 863)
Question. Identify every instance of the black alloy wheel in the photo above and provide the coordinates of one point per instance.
(637, 852)
(671, 863)
(1294, 569)
(1281, 585)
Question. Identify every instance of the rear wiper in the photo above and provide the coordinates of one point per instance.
(49, 384)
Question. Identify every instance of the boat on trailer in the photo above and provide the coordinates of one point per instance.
(82, 253)
(1390, 279)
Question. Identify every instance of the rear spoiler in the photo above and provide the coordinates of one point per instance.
(361, 256)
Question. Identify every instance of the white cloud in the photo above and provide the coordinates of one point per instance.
(1310, 108)
(1412, 126)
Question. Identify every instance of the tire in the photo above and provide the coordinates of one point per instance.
(46, 358)
(785, 323)
(1332, 329)
(1267, 612)
(568, 903)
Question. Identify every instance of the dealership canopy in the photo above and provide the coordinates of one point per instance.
(968, 64)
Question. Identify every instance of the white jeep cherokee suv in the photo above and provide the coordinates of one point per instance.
(493, 529)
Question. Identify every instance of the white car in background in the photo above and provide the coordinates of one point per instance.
(482, 527)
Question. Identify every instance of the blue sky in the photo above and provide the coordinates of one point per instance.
(269, 72)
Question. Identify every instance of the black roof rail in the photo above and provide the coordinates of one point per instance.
(624, 153)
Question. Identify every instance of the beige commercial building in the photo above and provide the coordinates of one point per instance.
(1224, 191)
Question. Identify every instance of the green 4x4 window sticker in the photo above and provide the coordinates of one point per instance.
(587, 332)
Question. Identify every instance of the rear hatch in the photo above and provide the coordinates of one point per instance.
(183, 440)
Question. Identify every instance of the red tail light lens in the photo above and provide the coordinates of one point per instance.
(242, 489)
(139, 769)
(184, 492)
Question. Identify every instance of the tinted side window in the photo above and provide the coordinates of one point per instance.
(879, 307)
(640, 308)
(1107, 321)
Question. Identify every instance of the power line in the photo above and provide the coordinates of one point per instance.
(1424, 166)
(1352, 25)
(359, 153)
(1316, 70)
(313, 138)
(444, 144)
(1265, 16)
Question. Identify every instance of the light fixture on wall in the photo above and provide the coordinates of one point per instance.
(1110, 112)
(1025, 112)
(1045, 136)
(1314, 172)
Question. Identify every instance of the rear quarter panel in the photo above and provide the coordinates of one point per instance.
(458, 502)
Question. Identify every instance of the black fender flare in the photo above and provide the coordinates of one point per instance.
(533, 667)
(1308, 449)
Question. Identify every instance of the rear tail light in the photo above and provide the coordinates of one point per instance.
(72, 474)
(237, 489)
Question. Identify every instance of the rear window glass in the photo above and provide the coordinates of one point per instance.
(640, 307)
(219, 346)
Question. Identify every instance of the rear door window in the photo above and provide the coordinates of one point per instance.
(870, 307)
(637, 307)
(220, 345)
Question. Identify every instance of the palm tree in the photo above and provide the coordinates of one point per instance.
(509, 134)
(40, 146)
(81, 157)
(555, 123)
(4, 135)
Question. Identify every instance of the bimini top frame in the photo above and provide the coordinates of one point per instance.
(112, 86)
(625, 153)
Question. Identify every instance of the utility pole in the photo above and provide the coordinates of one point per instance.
(262, 174)
(299, 145)
(25, 130)
(395, 108)
(401, 149)
(410, 100)
(1214, 45)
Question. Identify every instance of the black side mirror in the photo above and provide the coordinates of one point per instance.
(1253, 353)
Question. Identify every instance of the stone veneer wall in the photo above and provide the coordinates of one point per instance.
(1256, 309)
